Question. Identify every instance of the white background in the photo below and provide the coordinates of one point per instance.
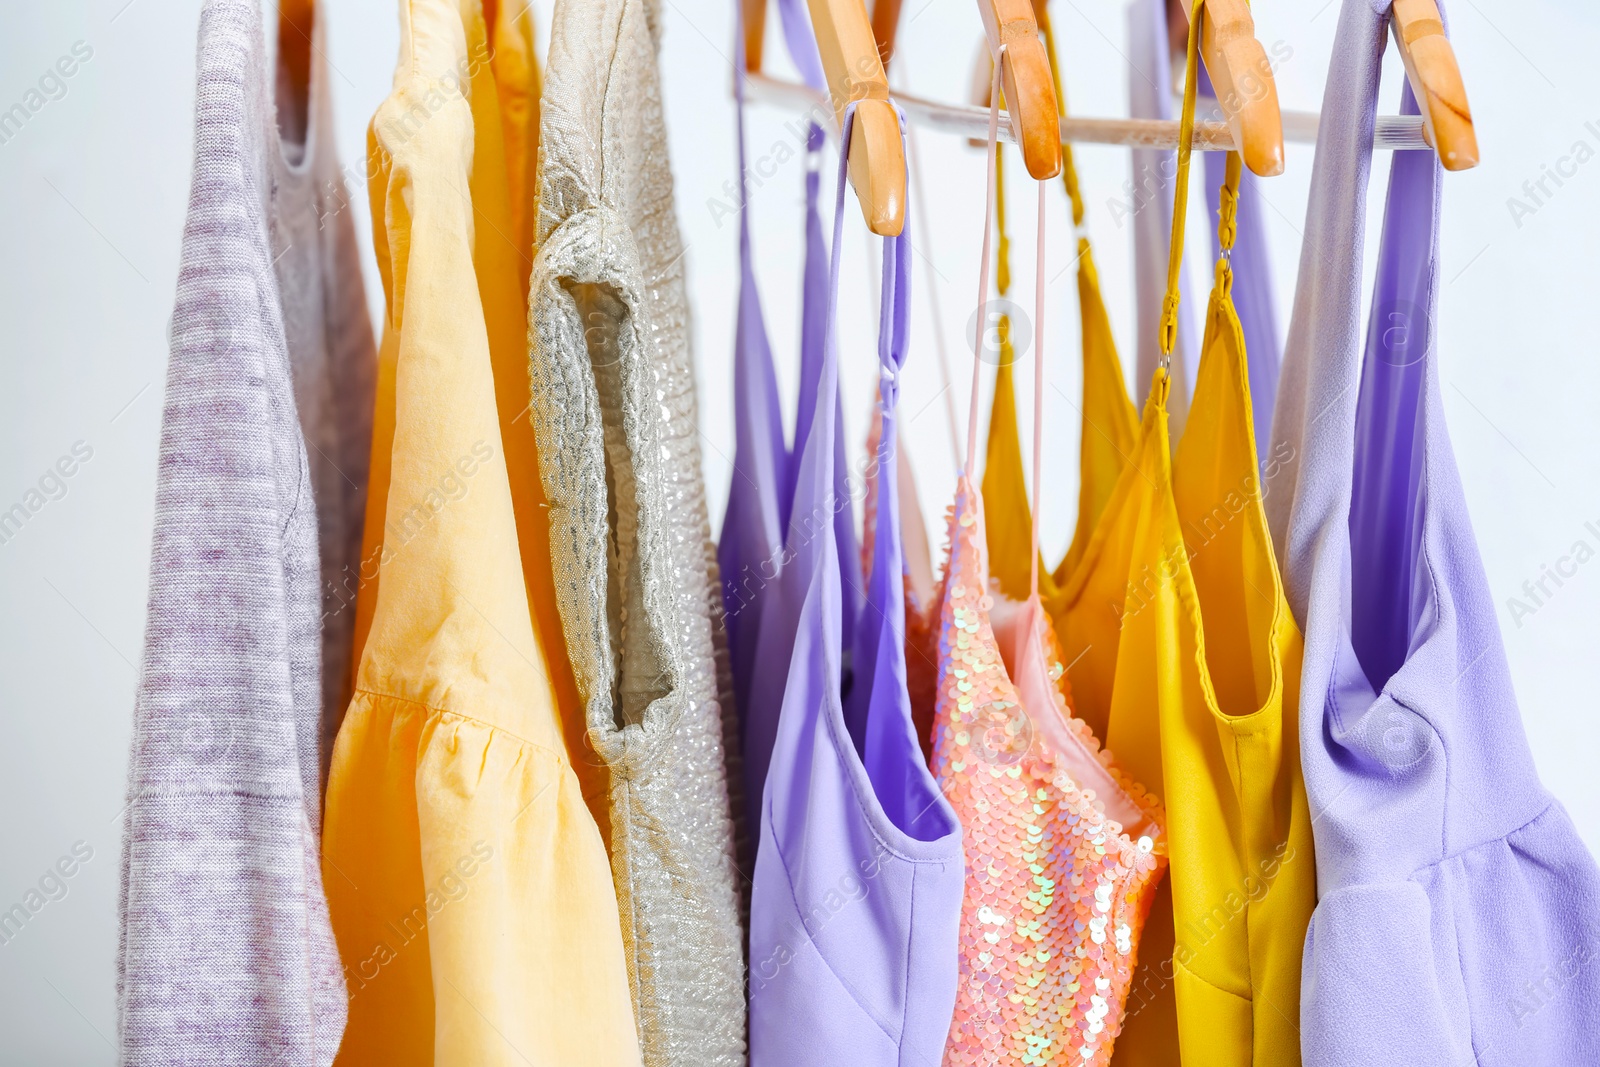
(92, 197)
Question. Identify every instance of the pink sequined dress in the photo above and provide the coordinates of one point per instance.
(1063, 852)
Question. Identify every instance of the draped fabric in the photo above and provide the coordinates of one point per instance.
(858, 879)
(456, 824)
(613, 404)
(761, 520)
(1458, 910)
(226, 954)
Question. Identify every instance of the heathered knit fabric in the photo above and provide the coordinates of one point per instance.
(332, 362)
(226, 954)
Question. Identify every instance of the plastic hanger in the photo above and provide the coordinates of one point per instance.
(1435, 79)
(1243, 81)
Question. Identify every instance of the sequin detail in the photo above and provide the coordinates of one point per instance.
(1056, 892)
(613, 403)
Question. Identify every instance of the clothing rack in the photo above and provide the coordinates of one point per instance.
(1391, 132)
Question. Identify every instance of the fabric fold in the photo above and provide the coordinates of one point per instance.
(859, 872)
(1435, 838)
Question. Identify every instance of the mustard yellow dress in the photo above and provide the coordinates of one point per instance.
(1185, 661)
(468, 884)
(1205, 602)
(1219, 732)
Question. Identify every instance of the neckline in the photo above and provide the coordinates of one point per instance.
(295, 158)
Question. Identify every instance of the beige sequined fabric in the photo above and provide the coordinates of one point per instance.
(614, 407)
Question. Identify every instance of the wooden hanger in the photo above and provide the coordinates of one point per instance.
(854, 72)
(1025, 79)
(1243, 81)
(755, 33)
(1029, 89)
(1396, 133)
(1436, 82)
(885, 20)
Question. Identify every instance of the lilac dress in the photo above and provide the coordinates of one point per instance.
(750, 544)
(1458, 914)
(761, 517)
(857, 895)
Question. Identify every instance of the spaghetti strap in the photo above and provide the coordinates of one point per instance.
(858, 881)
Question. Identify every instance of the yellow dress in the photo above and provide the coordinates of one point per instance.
(515, 64)
(1088, 580)
(1081, 593)
(1216, 724)
(1165, 553)
(1008, 522)
(1204, 603)
(467, 882)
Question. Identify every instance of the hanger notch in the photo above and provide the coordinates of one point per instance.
(854, 71)
(1435, 78)
(1030, 93)
(1244, 84)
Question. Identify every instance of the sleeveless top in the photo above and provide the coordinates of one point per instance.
(456, 826)
(1085, 626)
(917, 583)
(1458, 909)
(1063, 851)
(1008, 521)
(1218, 729)
(635, 575)
(858, 881)
(750, 543)
(226, 954)
(1108, 435)
(761, 519)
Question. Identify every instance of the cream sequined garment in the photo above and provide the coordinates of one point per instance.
(614, 407)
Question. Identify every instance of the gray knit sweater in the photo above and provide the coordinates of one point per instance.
(226, 953)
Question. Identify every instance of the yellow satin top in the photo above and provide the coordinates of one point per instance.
(1204, 602)
(1221, 985)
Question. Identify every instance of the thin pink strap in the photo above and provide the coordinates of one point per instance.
(1038, 395)
(947, 381)
(983, 266)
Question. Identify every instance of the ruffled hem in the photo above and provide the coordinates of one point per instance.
(449, 845)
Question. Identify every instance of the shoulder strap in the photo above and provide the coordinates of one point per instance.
(1312, 448)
